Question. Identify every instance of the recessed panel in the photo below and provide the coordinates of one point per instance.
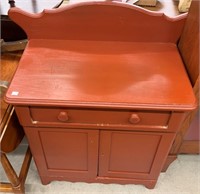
(131, 152)
(65, 150)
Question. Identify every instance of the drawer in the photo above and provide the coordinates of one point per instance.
(100, 117)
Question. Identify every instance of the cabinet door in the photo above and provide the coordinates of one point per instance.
(64, 154)
(129, 155)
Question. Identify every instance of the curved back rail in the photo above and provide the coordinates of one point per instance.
(101, 21)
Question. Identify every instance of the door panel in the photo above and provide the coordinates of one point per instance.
(132, 154)
(67, 153)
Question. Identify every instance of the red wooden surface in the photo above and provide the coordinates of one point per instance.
(120, 154)
(111, 21)
(100, 70)
(97, 73)
(72, 153)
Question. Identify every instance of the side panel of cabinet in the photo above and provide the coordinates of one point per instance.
(133, 154)
(64, 154)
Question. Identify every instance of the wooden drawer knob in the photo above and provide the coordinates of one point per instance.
(134, 118)
(63, 116)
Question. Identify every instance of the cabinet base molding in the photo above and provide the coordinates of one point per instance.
(150, 184)
(169, 160)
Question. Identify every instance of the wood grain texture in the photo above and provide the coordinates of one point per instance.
(11, 132)
(189, 42)
(179, 140)
(9, 62)
(189, 50)
(8, 65)
(10, 129)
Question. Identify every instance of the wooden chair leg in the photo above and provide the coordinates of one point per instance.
(10, 172)
(25, 166)
(16, 184)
